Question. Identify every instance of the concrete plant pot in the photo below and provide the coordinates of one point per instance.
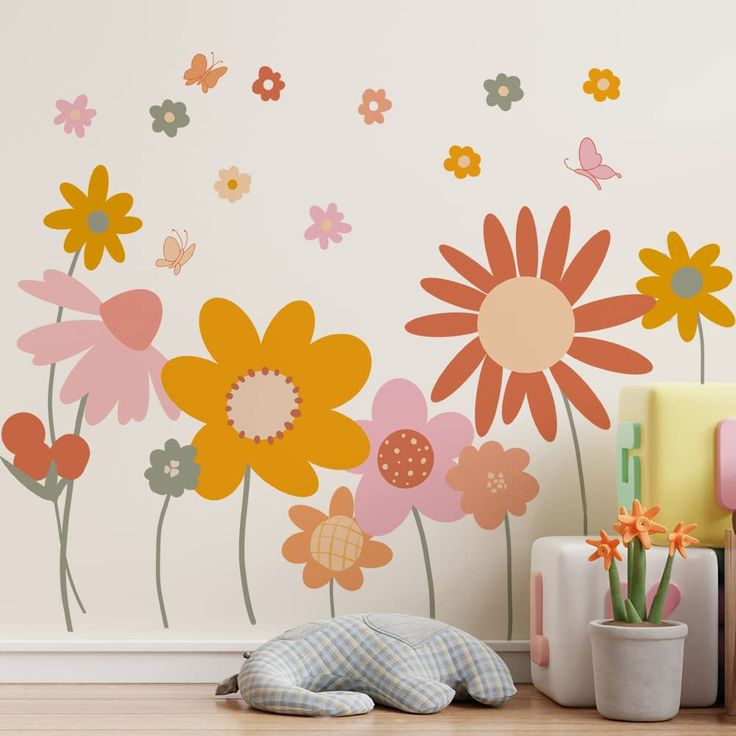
(637, 669)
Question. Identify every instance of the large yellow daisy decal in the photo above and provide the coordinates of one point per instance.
(269, 404)
(683, 286)
(94, 220)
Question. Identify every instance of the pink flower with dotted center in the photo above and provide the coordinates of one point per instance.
(328, 225)
(74, 115)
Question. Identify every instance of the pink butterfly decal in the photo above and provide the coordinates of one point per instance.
(591, 164)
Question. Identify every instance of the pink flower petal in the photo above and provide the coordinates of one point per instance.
(89, 377)
(68, 125)
(64, 291)
(323, 241)
(80, 102)
(331, 211)
(79, 130)
(156, 363)
(379, 508)
(56, 342)
(312, 232)
(434, 498)
(334, 236)
(64, 105)
(133, 389)
(449, 433)
(317, 213)
(60, 118)
(343, 227)
(399, 404)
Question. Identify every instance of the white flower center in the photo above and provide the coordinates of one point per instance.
(172, 469)
(464, 161)
(496, 482)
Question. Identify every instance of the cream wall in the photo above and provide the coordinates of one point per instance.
(670, 134)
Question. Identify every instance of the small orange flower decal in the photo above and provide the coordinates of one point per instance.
(639, 523)
(680, 538)
(605, 549)
(374, 104)
(334, 546)
(269, 84)
(463, 161)
(603, 84)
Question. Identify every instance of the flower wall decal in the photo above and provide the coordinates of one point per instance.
(328, 225)
(269, 84)
(169, 117)
(602, 84)
(683, 286)
(544, 330)
(74, 116)
(333, 547)
(463, 161)
(373, 104)
(232, 185)
(269, 404)
(503, 91)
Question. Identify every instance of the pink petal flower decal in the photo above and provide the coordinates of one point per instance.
(328, 225)
(74, 115)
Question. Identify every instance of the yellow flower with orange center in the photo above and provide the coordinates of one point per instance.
(603, 84)
(640, 524)
(334, 546)
(463, 161)
(605, 549)
(679, 538)
(269, 403)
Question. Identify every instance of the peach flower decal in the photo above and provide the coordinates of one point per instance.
(232, 185)
(405, 471)
(545, 329)
(493, 484)
(373, 105)
(333, 547)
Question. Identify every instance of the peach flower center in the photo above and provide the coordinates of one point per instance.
(526, 324)
(496, 482)
(232, 183)
(503, 91)
(336, 543)
(405, 458)
(603, 84)
(169, 117)
(75, 115)
(326, 225)
(262, 405)
(464, 161)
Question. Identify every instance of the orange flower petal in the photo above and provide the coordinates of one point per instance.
(448, 324)
(498, 249)
(609, 356)
(453, 293)
(580, 395)
(306, 517)
(341, 503)
(542, 405)
(458, 370)
(583, 268)
(375, 554)
(315, 576)
(555, 253)
(468, 268)
(296, 548)
(612, 311)
(513, 397)
(350, 579)
(486, 398)
(527, 249)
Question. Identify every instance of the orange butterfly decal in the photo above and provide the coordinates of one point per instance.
(200, 73)
(176, 252)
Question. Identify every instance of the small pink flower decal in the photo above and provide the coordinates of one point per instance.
(75, 115)
(119, 360)
(328, 225)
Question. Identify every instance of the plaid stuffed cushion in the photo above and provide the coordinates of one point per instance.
(343, 666)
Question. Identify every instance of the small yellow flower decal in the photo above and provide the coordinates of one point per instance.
(94, 220)
(683, 285)
(463, 161)
(603, 84)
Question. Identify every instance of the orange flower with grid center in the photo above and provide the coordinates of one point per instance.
(605, 549)
(334, 546)
(639, 524)
(524, 320)
(679, 538)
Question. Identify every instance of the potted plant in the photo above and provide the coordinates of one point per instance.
(637, 657)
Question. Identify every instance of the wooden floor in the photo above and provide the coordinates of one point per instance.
(92, 710)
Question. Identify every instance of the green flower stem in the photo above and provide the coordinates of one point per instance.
(509, 582)
(52, 368)
(638, 583)
(630, 562)
(332, 598)
(632, 614)
(657, 609)
(581, 477)
(68, 570)
(702, 349)
(63, 570)
(241, 546)
(617, 601)
(159, 529)
(427, 561)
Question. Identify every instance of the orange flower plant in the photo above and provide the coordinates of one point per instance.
(635, 527)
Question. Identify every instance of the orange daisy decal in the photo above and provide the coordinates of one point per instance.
(640, 524)
(333, 546)
(679, 538)
(605, 549)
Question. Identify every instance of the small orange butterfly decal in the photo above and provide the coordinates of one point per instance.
(176, 252)
(200, 73)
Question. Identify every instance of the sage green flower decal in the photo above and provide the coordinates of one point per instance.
(503, 91)
(173, 469)
(169, 117)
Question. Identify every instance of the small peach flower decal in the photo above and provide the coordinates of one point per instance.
(374, 104)
(640, 524)
(328, 225)
(605, 549)
(603, 84)
(269, 84)
(232, 185)
(463, 161)
(679, 538)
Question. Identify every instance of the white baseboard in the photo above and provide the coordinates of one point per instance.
(172, 662)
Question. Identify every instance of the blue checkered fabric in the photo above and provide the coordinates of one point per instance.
(343, 666)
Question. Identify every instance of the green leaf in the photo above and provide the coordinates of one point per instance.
(631, 613)
(48, 492)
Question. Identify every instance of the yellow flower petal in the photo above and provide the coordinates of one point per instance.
(331, 440)
(715, 310)
(126, 225)
(655, 286)
(198, 387)
(687, 321)
(222, 459)
(230, 336)
(114, 247)
(288, 336)
(656, 262)
(97, 190)
(75, 239)
(663, 311)
(63, 219)
(282, 466)
(678, 250)
(716, 278)
(73, 195)
(705, 256)
(93, 253)
(119, 204)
